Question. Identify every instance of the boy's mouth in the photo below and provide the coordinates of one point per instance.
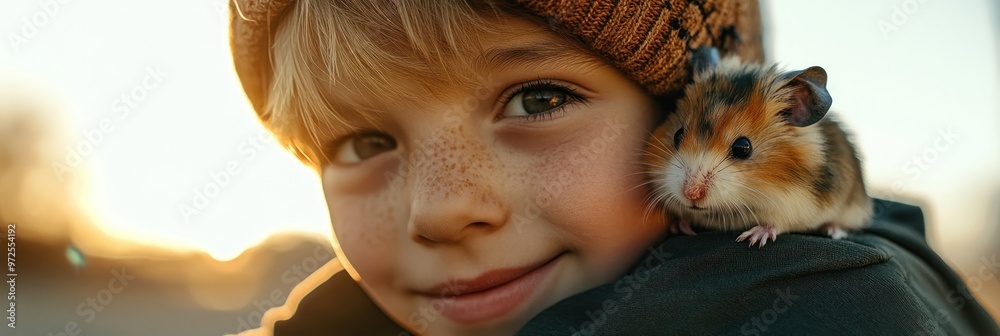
(489, 295)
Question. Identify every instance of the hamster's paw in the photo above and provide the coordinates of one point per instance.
(759, 234)
(835, 232)
(682, 226)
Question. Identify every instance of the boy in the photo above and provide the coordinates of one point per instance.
(480, 161)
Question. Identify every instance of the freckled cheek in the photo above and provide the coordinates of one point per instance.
(598, 211)
(367, 230)
(591, 177)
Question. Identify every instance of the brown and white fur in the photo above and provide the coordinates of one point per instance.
(801, 174)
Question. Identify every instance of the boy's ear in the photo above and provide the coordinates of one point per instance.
(704, 58)
(809, 100)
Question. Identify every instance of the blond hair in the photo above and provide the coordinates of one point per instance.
(401, 48)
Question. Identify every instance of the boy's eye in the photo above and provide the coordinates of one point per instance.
(361, 147)
(538, 99)
(535, 102)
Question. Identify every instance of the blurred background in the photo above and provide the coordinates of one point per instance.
(129, 153)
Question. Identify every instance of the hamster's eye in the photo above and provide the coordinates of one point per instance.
(362, 147)
(741, 148)
(678, 136)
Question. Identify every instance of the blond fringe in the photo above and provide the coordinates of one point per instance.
(366, 50)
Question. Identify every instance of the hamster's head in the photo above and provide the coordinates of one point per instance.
(740, 134)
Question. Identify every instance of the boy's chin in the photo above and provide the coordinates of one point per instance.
(502, 326)
(496, 302)
(435, 323)
(423, 318)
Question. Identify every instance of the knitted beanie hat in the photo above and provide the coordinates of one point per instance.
(648, 40)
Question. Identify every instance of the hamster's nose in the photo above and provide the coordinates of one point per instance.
(694, 190)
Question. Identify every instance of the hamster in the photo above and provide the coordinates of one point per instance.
(749, 149)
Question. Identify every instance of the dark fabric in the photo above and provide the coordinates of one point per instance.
(337, 307)
(884, 281)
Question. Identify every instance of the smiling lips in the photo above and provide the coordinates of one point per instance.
(490, 295)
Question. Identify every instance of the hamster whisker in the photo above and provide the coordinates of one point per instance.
(652, 165)
(770, 184)
(682, 162)
(724, 215)
(736, 211)
(651, 205)
(659, 147)
(639, 172)
(742, 185)
(746, 218)
(727, 166)
(718, 163)
(634, 187)
(769, 201)
(729, 208)
(756, 220)
(645, 211)
(644, 151)
(664, 146)
(721, 215)
(656, 191)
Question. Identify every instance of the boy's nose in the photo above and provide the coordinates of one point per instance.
(451, 217)
(457, 193)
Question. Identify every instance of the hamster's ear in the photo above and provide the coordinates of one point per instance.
(809, 100)
(704, 58)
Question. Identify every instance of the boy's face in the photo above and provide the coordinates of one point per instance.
(471, 214)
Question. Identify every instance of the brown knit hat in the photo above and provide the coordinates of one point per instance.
(648, 40)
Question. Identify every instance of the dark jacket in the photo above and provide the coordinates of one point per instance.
(883, 281)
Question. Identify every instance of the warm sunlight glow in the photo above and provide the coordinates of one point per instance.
(168, 152)
(163, 138)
